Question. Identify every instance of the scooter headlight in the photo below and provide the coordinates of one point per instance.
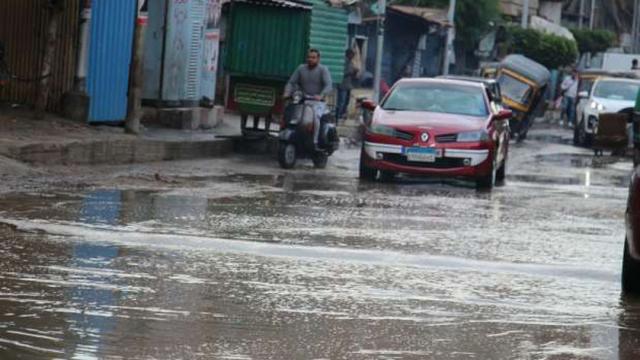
(297, 97)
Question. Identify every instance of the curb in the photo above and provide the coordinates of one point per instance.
(266, 146)
(116, 152)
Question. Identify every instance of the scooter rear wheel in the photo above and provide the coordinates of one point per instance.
(287, 155)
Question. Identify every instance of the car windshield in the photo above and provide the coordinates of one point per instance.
(515, 89)
(439, 98)
(617, 90)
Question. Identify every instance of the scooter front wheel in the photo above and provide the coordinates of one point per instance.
(320, 160)
(287, 155)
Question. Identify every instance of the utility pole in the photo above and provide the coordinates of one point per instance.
(592, 14)
(56, 9)
(634, 27)
(592, 19)
(581, 19)
(134, 111)
(450, 35)
(525, 14)
(377, 78)
(82, 64)
(636, 22)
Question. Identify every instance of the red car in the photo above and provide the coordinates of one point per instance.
(631, 258)
(437, 127)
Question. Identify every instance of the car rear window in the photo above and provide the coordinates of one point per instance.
(438, 98)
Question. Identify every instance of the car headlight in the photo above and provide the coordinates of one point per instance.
(382, 130)
(597, 106)
(473, 136)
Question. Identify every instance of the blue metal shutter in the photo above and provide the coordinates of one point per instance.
(112, 27)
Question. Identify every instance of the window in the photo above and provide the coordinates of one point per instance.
(438, 98)
(515, 89)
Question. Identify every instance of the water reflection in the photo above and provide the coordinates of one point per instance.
(88, 326)
(101, 207)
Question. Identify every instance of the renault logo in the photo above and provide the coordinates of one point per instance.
(424, 137)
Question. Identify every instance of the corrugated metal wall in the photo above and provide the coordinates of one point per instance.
(196, 42)
(329, 34)
(266, 41)
(183, 51)
(23, 28)
(112, 27)
(187, 38)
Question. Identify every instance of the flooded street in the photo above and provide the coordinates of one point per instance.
(246, 261)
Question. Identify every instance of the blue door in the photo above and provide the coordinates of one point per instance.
(112, 27)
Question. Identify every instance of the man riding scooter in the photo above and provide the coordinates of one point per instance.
(307, 88)
(314, 80)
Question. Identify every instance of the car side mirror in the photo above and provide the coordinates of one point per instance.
(504, 114)
(369, 105)
(583, 94)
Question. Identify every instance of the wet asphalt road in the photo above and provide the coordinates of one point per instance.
(259, 263)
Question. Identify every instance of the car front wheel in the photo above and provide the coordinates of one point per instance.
(576, 134)
(630, 272)
(366, 173)
(581, 138)
(320, 160)
(501, 174)
(488, 181)
(387, 176)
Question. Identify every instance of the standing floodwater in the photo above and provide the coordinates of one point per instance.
(261, 263)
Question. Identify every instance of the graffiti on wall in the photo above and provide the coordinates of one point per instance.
(143, 11)
(213, 14)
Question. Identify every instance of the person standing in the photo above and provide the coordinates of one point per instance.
(569, 89)
(349, 77)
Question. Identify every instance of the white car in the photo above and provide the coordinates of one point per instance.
(608, 95)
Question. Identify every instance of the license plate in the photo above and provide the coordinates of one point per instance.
(417, 154)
